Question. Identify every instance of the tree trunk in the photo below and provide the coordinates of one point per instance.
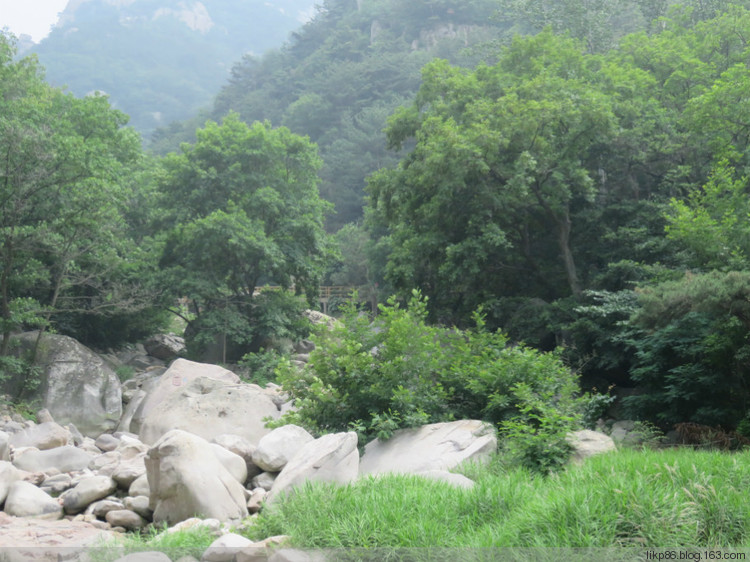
(563, 238)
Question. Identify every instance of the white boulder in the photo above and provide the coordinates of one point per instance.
(26, 500)
(278, 447)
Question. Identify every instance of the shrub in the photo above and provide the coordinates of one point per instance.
(398, 371)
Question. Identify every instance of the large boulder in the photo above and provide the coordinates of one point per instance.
(587, 443)
(9, 475)
(44, 436)
(4, 446)
(64, 459)
(186, 480)
(438, 446)
(207, 407)
(26, 500)
(331, 458)
(275, 449)
(76, 385)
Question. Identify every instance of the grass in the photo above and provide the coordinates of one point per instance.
(189, 542)
(657, 499)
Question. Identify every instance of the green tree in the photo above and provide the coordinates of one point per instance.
(241, 209)
(64, 240)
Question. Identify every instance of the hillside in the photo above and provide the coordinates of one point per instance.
(341, 75)
(161, 60)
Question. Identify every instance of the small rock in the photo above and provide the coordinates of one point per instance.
(125, 518)
(278, 447)
(43, 416)
(140, 487)
(140, 505)
(102, 507)
(86, 492)
(107, 442)
(256, 500)
(265, 480)
(225, 548)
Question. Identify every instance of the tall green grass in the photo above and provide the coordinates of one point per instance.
(668, 498)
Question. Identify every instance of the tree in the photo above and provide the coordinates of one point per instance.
(241, 208)
(64, 239)
(501, 155)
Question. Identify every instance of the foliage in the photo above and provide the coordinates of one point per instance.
(690, 339)
(242, 209)
(398, 371)
(260, 368)
(66, 247)
(593, 407)
(187, 542)
(650, 499)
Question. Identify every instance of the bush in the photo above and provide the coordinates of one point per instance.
(398, 371)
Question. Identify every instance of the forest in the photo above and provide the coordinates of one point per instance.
(572, 174)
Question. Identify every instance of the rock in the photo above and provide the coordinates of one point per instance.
(130, 520)
(256, 500)
(44, 416)
(304, 346)
(9, 474)
(235, 464)
(140, 487)
(265, 480)
(152, 556)
(330, 458)
(77, 386)
(4, 446)
(133, 404)
(129, 470)
(102, 507)
(187, 479)
(438, 446)
(624, 433)
(44, 436)
(225, 548)
(457, 480)
(208, 407)
(275, 449)
(26, 500)
(64, 459)
(587, 443)
(107, 442)
(86, 492)
(173, 381)
(165, 346)
(140, 505)
(213, 525)
(55, 485)
(110, 459)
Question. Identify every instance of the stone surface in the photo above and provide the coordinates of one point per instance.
(207, 408)
(4, 446)
(439, 446)
(235, 464)
(102, 507)
(48, 539)
(265, 480)
(26, 500)
(64, 459)
(86, 492)
(140, 487)
(136, 399)
(587, 443)
(225, 548)
(330, 458)
(9, 474)
(129, 470)
(165, 346)
(278, 447)
(77, 386)
(130, 520)
(141, 505)
(44, 436)
(179, 375)
(55, 485)
(186, 479)
(255, 502)
(107, 442)
(457, 480)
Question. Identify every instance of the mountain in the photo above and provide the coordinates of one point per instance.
(341, 75)
(161, 60)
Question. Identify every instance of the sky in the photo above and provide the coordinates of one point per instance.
(32, 17)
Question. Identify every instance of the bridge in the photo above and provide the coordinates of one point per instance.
(335, 293)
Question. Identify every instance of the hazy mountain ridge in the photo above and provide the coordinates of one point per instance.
(161, 60)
